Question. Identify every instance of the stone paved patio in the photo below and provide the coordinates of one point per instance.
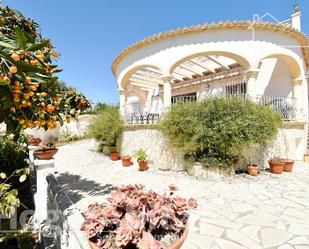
(268, 211)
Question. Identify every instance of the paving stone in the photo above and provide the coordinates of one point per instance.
(281, 225)
(222, 222)
(286, 246)
(242, 239)
(252, 219)
(301, 240)
(245, 204)
(299, 229)
(272, 237)
(195, 241)
(211, 230)
(251, 232)
(226, 244)
(242, 207)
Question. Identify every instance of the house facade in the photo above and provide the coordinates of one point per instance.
(266, 62)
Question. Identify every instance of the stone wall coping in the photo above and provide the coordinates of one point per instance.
(293, 124)
(73, 216)
(129, 127)
(44, 164)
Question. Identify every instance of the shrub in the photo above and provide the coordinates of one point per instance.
(217, 130)
(13, 155)
(107, 126)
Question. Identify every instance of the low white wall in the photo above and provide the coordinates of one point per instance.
(161, 154)
(290, 143)
(74, 128)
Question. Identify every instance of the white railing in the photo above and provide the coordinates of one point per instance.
(141, 114)
(137, 113)
(183, 99)
(285, 106)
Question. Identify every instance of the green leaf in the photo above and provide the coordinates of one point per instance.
(21, 38)
(3, 82)
(38, 46)
(22, 178)
(6, 45)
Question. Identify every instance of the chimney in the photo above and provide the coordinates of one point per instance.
(295, 17)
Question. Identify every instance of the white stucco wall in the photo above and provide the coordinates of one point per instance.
(161, 154)
(74, 128)
(290, 143)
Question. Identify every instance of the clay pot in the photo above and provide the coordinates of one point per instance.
(126, 161)
(34, 141)
(45, 154)
(252, 169)
(276, 167)
(288, 165)
(114, 156)
(143, 165)
(177, 245)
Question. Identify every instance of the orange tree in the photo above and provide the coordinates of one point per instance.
(29, 92)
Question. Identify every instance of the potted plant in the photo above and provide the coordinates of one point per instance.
(252, 169)
(34, 141)
(136, 218)
(114, 154)
(276, 165)
(126, 161)
(288, 165)
(141, 158)
(46, 151)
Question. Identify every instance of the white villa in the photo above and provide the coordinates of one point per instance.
(264, 61)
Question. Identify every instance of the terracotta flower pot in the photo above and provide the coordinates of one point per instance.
(288, 165)
(34, 141)
(45, 154)
(126, 161)
(252, 169)
(143, 165)
(177, 244)
(276, 167)
(114, 156)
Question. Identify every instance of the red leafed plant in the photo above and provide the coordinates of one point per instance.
(136, 218)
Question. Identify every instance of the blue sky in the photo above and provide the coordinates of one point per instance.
(89, 34)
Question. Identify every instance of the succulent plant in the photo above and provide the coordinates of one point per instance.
(136, 218)
(48, 146)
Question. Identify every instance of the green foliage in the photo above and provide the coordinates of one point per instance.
(9, 197)
(107, 126)
(216, 130)
(26, 239)
(13, 154)
(141, 155)
(30, 95)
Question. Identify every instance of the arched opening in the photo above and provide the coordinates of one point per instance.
(142, 86)
(143, 76)
(208, 73)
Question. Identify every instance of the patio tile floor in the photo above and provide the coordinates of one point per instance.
(268, 211)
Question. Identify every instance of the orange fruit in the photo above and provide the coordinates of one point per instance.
(13, 69)
(15, 57)
(28, 79)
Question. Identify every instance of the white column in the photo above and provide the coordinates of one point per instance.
(167, 92)
(251, 76)
(122, 102)
(297, 96)
(295, 18)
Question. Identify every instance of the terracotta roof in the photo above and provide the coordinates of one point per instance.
(266, 26)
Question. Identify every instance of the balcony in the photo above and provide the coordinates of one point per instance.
(150, 113)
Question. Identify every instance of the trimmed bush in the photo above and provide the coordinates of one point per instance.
(107, 126)
(216, 130)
